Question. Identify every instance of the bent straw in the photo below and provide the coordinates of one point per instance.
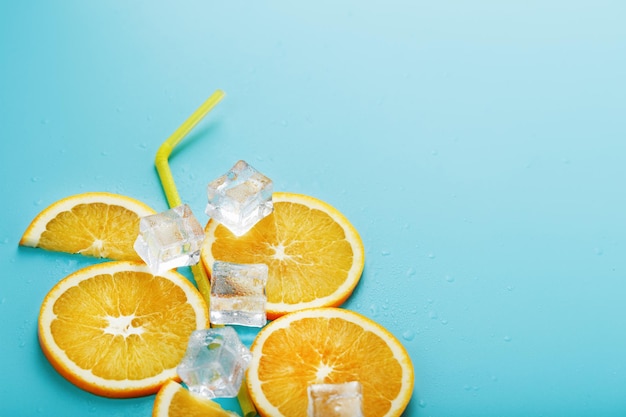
(167, 180)
(164, 151)
(173, 200)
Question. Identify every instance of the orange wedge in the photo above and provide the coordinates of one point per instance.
(116, 330)
(173, 400)
(324, 346)
(315, 257)
(97, 224)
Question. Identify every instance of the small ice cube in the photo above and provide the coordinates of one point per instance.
(238, 294)
(335, 400)
(240, 198)
(169, 239)
(214, 363)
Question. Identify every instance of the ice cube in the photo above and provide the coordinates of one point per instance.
(335, 400)
(214, 363)
(238, 294)
(169, 239)
(240, 198)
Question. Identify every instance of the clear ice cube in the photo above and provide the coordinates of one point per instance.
(335, 400)
(214, 363)
(240, 198)
(169, 239)
(238, 294)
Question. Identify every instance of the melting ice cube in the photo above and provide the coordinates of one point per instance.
(214, 363)
(238, 294)
(240, 198)
(169, 239)
(335, 400)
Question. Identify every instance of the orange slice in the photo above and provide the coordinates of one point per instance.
(97, 224)
(173, 400)
(116, 330)
(322, 346)
(314, 255)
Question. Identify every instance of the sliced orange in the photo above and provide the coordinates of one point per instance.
(324, 346)
(173, 400)
(314, 255)
(116, 330)
(99, 224)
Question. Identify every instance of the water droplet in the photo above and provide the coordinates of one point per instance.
(421, 403)
(34, 179)
(411, 272)
(449, 278)
(431, 256)
(374, 310)
(284, 123)
(385, 253)
(408, 335)
(434, 153)
(507, 338)
(444, 321)
(45, 121)
(510, 288)
(433, 315)
(599, 251)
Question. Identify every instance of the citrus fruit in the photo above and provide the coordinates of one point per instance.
(314, 255)
(327, 346)
(116, 330)
(173, 400)
(97, 224)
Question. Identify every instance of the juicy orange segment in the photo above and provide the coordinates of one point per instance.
(96, 224)
(173, 400)
(314, 255)
(327, 345)
(116, 330)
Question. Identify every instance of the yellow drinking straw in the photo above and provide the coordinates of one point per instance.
(173, 200)
(167, 180)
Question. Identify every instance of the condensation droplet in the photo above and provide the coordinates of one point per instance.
(373, 310)
(385, 253)
(411, 272)
(433, 315)
(408, 335)
(421, 403)
(507, 338)
(431, 256)
(444, 321)
(449, 278)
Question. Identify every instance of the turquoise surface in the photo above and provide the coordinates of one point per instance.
(477, 146)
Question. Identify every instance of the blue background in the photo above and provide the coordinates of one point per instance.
(477, 146)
